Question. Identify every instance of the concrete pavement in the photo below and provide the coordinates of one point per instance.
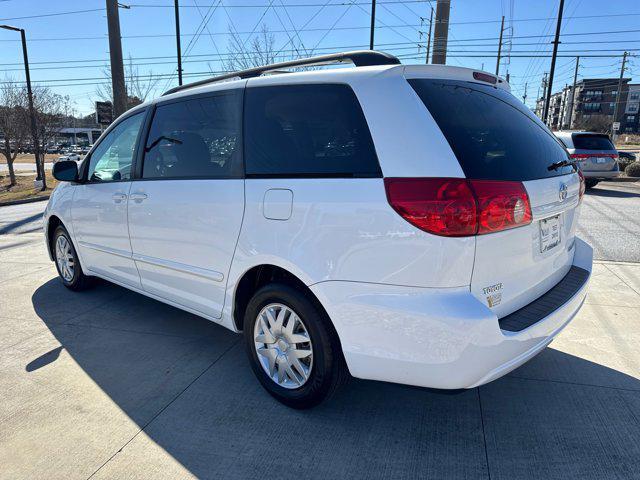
(110, 384)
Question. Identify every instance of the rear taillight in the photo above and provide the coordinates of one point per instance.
(457, 207)
(584, 156)
(501, 205)
(444, 206)
(582, 185)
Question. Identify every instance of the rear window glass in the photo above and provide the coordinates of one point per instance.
(493, 135)
(307, 130)
(591, 142)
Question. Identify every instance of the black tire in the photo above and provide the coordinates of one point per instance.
(590, 183)
(329, 370)
(79, 281)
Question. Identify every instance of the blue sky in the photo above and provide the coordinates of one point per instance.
(76, 46)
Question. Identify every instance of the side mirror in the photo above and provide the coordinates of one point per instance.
(65, 171)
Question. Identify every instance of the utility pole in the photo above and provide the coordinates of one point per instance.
(115, 54)
(617, 104)
(373, 24)
(32, 112)
(441, 32)
(500, 47)
(556, 41)
(179, 51)
(544, 93)
(573, 93)
(524, 97)
(429, 35)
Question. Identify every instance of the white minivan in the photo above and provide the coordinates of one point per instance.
(410, 224)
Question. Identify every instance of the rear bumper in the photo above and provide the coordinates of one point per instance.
(439, 338)
(603, 174)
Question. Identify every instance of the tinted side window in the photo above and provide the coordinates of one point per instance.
(493, 135)
(592, 142)
(111, 160)
(196, 138)
(307, 130)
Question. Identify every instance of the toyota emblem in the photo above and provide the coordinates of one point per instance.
(562, 194)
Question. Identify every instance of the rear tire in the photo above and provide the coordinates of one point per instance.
(590, 183)
(299, 373)
(67, 262)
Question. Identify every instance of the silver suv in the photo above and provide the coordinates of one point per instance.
(595, 154)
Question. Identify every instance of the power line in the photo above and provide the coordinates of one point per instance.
(53, 14)
(457, 40)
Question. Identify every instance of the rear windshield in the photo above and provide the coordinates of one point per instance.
(493, 135)
(582, 141)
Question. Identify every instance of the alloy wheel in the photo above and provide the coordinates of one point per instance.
(283, 345)
(65, 258)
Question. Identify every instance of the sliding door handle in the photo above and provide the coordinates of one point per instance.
(119, 197)
(138, 197)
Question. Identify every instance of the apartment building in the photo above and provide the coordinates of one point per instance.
(593, 107)
(630, 123)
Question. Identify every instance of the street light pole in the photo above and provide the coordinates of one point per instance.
(32, 113)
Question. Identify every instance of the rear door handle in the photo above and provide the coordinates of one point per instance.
(138, 197)
(119, 197)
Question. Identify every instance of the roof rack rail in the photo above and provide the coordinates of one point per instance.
(360, 58)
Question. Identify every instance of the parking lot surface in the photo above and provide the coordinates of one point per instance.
(110, 384)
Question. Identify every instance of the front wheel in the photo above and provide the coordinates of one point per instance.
(67, 262)
(292, 346)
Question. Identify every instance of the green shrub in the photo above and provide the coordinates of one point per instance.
(633, 170)
(623, 163)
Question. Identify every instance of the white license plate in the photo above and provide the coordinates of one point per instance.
(601, 159)
(549, 233)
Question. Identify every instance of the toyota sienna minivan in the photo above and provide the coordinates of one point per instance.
(410, 224)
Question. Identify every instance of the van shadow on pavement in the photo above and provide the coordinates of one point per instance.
(186, 383)
(601, 191)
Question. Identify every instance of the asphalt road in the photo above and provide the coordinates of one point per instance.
(610, 221)
(108, 384)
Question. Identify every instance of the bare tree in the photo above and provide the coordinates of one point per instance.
(50, 110)
(597, 123)
(139, 87)
(255, 53)
(13, 124)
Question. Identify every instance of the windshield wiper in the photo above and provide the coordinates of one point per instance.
(562, 163)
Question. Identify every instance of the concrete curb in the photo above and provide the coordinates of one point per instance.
(622, 179)
(41, 198)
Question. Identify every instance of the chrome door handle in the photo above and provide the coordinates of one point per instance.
(138, 197)
(119, 197)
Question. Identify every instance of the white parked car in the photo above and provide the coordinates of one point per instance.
(411, 224)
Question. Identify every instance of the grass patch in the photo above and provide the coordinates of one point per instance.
(23, 189)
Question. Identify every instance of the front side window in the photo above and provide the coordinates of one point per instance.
(307, 130)
(196, 138)
(112, 159)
